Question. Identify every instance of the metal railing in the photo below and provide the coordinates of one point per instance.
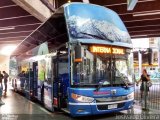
(149, 100)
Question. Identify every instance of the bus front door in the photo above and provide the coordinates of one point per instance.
(60, 84)
(33, 85)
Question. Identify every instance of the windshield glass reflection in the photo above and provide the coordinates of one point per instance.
(102, 69)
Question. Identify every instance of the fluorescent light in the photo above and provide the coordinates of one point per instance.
(124, 3)
(147, 13)
(7, 28)
(139, 35)
(146, 1)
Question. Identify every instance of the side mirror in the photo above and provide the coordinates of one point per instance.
(78, 53)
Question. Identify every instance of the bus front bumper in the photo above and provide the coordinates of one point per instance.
(83, 109)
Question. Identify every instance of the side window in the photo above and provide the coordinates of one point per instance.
(89, 66)
(63, 67)
(83, 71)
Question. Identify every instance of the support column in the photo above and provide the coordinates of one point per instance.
(140, 62)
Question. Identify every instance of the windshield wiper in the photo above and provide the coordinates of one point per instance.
(101, 83)
(99, 86)
(96, 36)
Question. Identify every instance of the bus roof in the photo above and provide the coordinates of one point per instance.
(87, 23)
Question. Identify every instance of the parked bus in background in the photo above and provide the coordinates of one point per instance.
(84, 65)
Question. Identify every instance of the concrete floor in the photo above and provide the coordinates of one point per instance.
(19, 108)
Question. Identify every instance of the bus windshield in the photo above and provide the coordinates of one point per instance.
(102, 68)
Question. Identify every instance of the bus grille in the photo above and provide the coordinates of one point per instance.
(110, 99)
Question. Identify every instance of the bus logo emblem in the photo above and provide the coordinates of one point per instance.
(113, 92)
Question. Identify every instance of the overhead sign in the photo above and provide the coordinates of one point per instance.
(131, 4)
(105, 49)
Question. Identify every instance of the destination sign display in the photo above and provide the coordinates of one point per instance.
(107, 49)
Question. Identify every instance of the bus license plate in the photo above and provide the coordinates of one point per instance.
(112, 106)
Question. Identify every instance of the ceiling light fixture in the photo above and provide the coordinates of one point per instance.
(146, 1)
(146, 13)
(7, 28)
(124, 3)
(139, 36)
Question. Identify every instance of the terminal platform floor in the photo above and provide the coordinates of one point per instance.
(18, 107)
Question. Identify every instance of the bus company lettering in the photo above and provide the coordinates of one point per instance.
(96, 49)
(101, 49)
(117, 51)
(101, 92)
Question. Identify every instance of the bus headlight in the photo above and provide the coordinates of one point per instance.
(130, 96)
(81, 98)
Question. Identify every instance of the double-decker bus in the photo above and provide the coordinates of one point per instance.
(84, 65)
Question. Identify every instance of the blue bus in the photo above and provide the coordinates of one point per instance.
(82, 63)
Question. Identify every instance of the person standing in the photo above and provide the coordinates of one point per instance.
(144, 79)
(1, 77)
(5, 77)
(1, 91)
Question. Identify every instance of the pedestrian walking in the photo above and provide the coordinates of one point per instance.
(144, 88)
(1, 77)
(5, 78)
